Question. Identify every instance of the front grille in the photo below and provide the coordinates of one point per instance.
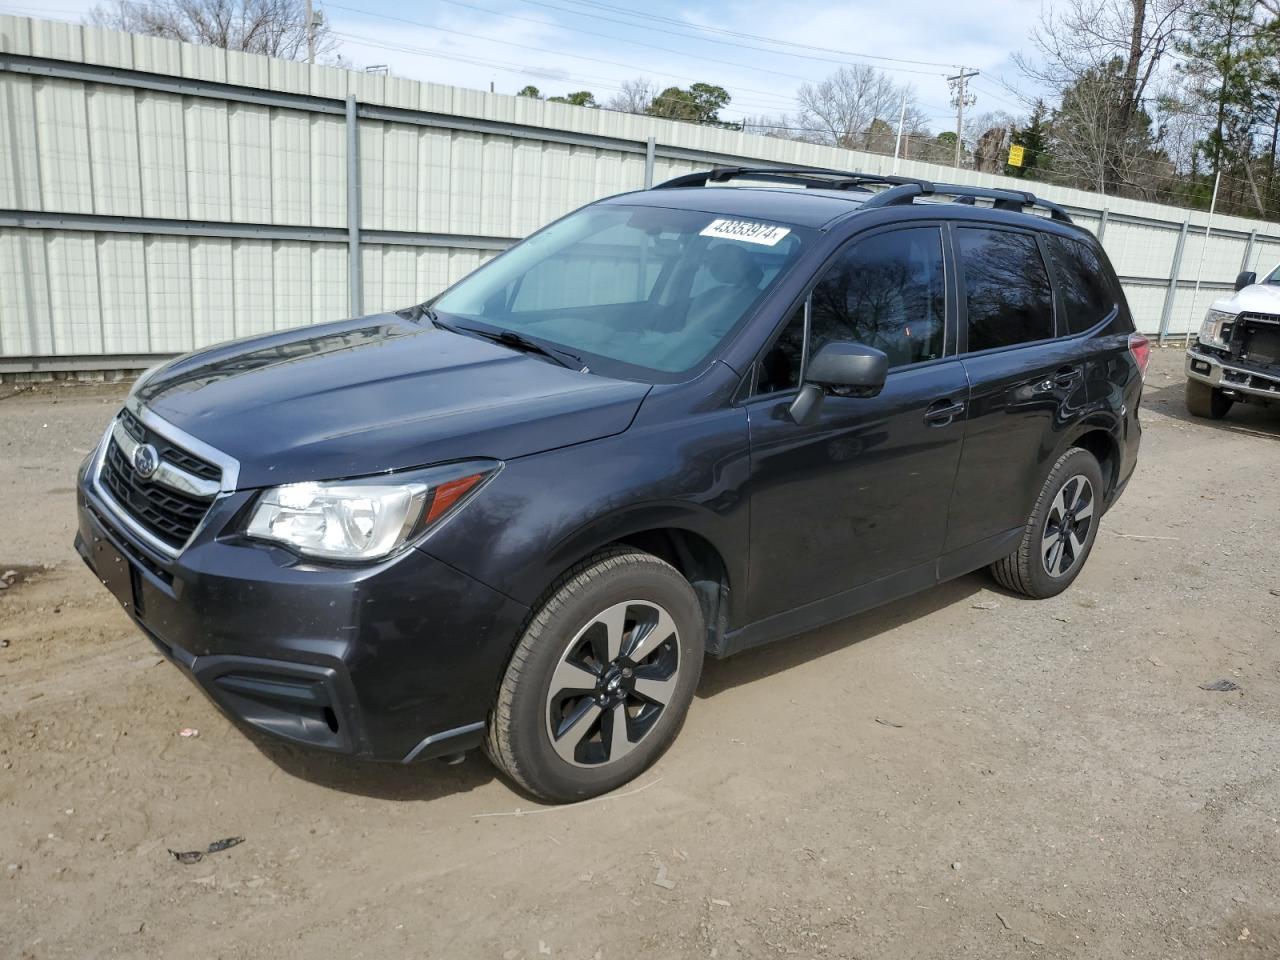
(169, 515)
(182, 459)
(1260, 341)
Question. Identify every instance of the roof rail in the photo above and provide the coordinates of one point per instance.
(901, 189)
(1014, 200)
(808, 176)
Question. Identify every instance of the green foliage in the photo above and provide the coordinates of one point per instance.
(581, 98)
(1034, 139)
(700, 103)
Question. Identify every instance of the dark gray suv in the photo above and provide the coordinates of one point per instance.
(674, 424)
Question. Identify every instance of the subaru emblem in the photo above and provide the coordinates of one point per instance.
(145, 460)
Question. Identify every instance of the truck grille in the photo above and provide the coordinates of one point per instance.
(1260, 338)
(169, 515)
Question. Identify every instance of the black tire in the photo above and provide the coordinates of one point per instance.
(1206, 401)
(1053, 536)
(565, 634)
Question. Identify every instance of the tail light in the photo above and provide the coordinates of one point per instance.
(1140, 350)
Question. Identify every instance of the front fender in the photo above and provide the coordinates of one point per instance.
(543, 513)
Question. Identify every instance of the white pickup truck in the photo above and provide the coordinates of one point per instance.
(1236, 356)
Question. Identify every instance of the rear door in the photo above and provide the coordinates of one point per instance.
(1025, 382)
(862, 492)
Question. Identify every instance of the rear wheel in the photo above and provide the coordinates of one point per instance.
(1206, 401)
(1060, 531)
(600, 680)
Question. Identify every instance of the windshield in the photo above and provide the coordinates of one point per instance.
(649, 287)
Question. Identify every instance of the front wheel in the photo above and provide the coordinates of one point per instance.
(1060, 531)
(601, 678)
(1206, 401)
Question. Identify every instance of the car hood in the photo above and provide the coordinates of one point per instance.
(380, 393)
(1256, 298)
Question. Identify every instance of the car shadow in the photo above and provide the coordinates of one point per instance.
(423, 781)
(431, 780)
(764, 661)
(1246, 418)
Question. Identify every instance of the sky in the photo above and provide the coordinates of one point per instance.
(562, 46)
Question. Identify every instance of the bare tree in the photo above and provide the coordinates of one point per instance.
(987, 137)
(636, 96)
(842, 109)
(1103, 57)
(1079, 36)
(276, 28)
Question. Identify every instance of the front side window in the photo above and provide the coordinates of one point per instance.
(887, 291)
(647, 292)
(1087, 293)
(1006, 287)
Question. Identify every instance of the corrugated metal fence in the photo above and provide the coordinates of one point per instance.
(157, 196)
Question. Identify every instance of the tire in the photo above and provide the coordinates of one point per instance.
(575, 671)
(1060, 532)
(1206, 401)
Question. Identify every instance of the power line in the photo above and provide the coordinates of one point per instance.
(684, 35)
(522, 70)
(574, 56)
(847, 54)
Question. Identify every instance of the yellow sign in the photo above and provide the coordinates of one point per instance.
(1015, 155)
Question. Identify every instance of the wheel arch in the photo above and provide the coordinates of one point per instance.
(680, 534)
(1102, 443)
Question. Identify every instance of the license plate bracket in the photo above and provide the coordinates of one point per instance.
(115, 571)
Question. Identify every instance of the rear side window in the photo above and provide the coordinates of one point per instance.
(1007, 288)
(1087, 293)
(887, 292)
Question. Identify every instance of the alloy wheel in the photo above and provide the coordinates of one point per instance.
(612, 683)
(1066, 529)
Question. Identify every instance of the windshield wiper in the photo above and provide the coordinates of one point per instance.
(516, 341)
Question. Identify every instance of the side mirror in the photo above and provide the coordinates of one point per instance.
(1246, 279)
(842, 364)
(839, 364)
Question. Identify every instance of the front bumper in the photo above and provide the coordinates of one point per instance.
(395, 661)
(1247, 381)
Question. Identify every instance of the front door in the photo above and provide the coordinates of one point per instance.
(863, 492)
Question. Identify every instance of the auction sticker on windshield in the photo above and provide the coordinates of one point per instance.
(765, 234)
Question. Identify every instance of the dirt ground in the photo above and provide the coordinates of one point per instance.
(962, 773)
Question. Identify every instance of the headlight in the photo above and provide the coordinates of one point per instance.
(365, 519)
(1215, 331)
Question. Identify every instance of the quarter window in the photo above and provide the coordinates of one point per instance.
(887, 292)
(1007, 288)
(779, 368)
(1087, 293)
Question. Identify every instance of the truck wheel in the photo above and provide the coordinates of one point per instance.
(1060, 531)
(1206, 401)
(601, 678)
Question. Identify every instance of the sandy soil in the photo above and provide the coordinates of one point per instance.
(961, 773)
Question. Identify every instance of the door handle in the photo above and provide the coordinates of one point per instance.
(943, 412)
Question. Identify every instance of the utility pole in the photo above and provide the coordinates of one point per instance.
(311, 34)
(897, 144)
(961, 98)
